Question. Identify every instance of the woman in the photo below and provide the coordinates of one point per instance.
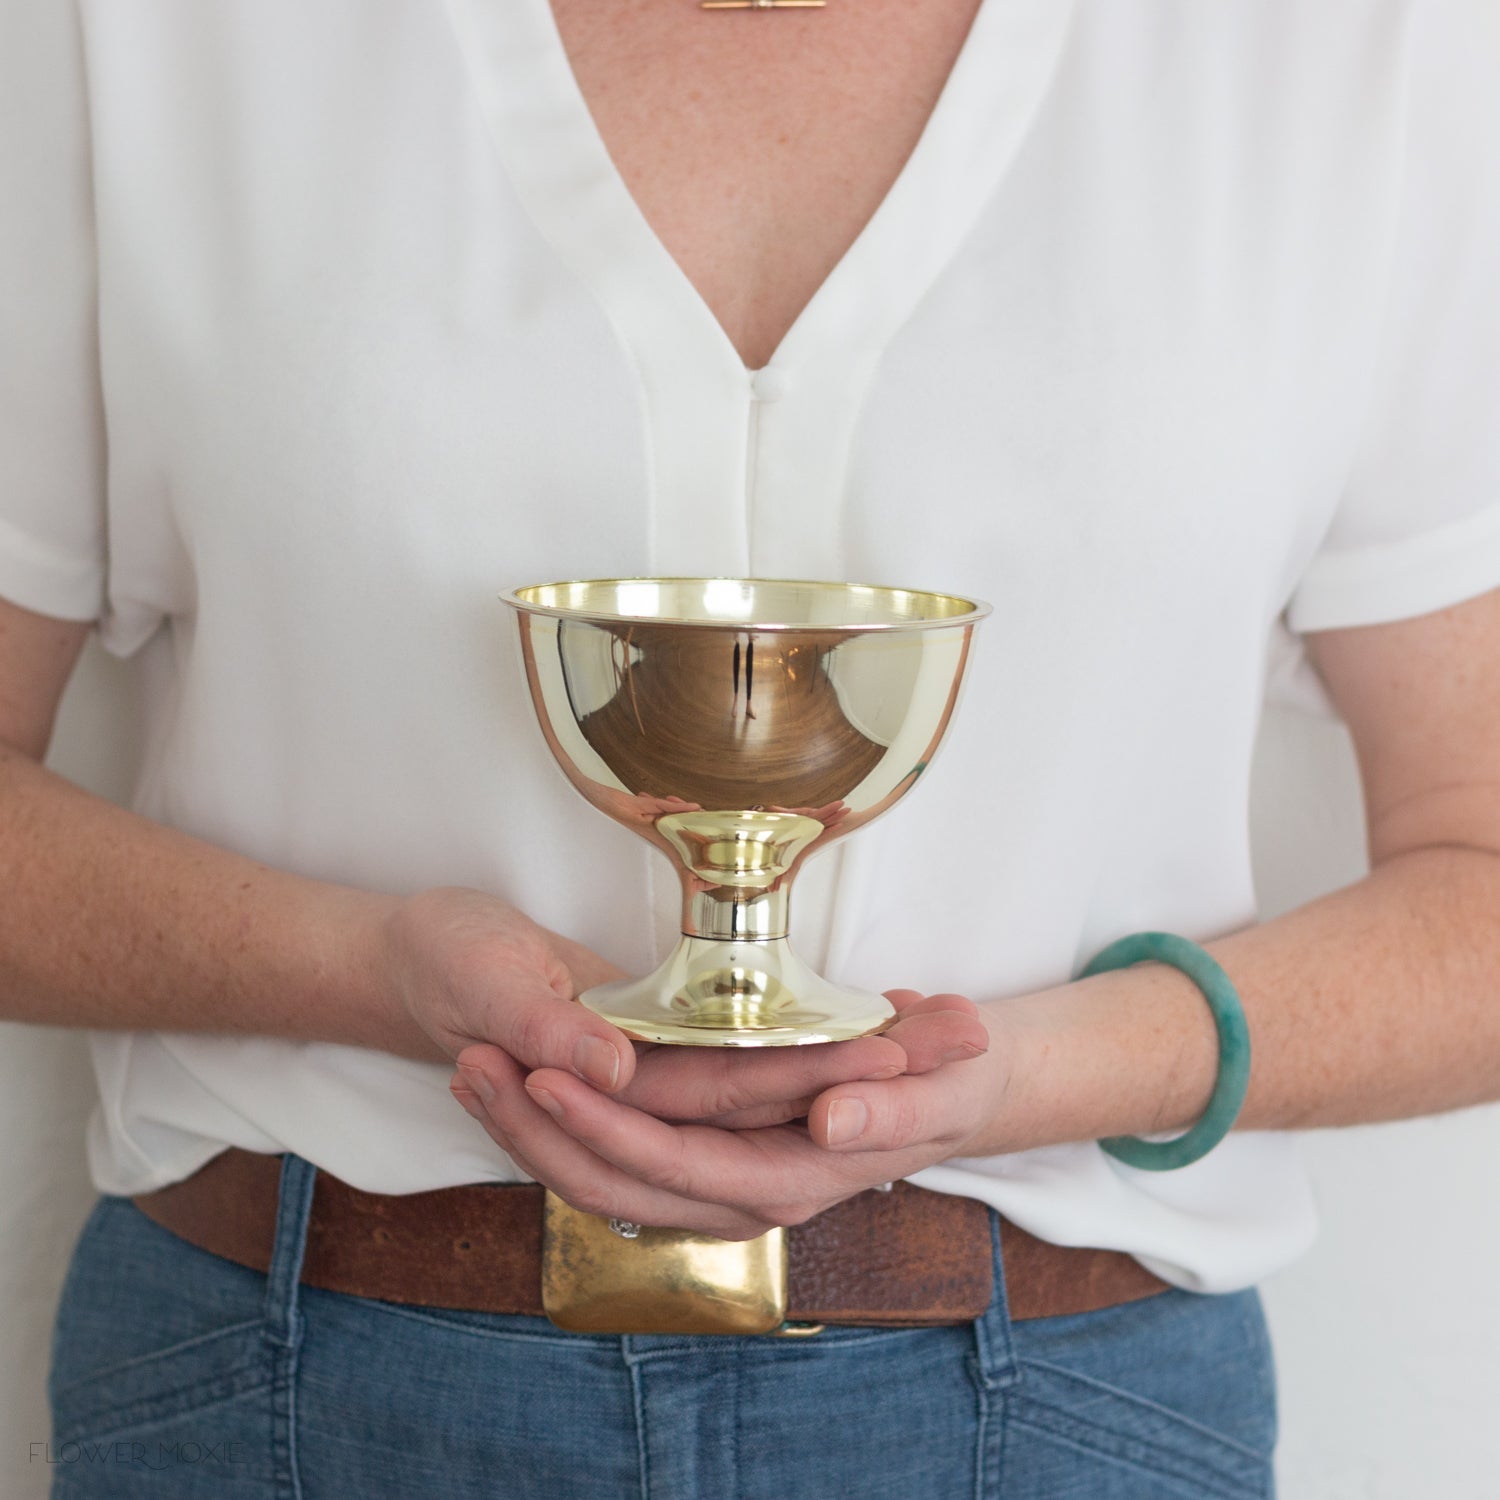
(1160, 329)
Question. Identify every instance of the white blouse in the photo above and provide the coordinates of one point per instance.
(322, 324)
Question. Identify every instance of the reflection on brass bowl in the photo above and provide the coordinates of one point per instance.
(740, 725)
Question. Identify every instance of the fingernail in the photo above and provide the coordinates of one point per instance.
(546, 1100)
(847, 1119)
(478, 1082)
(880, 1074)
(962, 1053)
(596, 1062)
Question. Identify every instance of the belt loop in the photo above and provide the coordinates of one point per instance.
(283, 1319)
(992, 1330)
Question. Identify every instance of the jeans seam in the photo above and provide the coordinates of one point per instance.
(285, 1324)
(1168, 1466)
(638, 1403)
(287, 1471)
(1004, 1406)
(62, 1392)
(1146, 1403)
(734, 1386)
(993, 1370)
(242, 1381)
(989, 1431)
(415, 1313)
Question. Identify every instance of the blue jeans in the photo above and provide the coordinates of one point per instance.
(179, 1374)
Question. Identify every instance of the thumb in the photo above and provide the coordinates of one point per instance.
(913, 1110)
(546, 1031)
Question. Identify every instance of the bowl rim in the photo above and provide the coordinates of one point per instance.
(976, 609)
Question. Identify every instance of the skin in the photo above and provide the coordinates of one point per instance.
(758, 146)
(1372, 1003)
(1369, 1004)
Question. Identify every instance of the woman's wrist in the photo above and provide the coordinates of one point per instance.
(1133, 1052)
(444, 968)
(368, 977)
(340, 981)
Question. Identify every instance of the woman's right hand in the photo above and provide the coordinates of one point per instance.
(468, 969)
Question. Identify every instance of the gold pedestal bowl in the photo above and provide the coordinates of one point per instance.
(741, 725)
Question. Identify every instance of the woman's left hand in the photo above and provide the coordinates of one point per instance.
(606, 1157)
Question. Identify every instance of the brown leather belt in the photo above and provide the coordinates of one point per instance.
(908, 1257)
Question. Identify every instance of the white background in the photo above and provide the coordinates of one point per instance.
(1387, 1334)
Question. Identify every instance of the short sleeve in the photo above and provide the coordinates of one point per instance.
(1418, 526)
(52, 507)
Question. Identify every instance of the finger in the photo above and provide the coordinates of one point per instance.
(903, 1114)
(585, 967)
(698, 1083)
(552, 1159)
(938, 1030)
(903, 1000)
(775, 1175)
(600, 1176)
(915, 1003)
(761, 1116)
(475, 1107)
(545, 1031)
(532, 1138)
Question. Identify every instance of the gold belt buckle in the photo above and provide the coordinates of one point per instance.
(639, 1279)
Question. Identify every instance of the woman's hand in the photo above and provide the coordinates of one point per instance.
(746, 1088)
(467, 969)
(619, 1157)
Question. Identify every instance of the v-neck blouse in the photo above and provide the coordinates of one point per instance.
(1177, 336)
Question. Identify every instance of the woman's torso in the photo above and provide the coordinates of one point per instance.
(383, 331)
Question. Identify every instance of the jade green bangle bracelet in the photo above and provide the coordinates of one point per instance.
(1234, 1048)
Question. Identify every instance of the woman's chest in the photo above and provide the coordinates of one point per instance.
(373, 290)
(757, 145)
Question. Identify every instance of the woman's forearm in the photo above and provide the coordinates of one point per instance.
(1376, 1002)
(111, 921)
